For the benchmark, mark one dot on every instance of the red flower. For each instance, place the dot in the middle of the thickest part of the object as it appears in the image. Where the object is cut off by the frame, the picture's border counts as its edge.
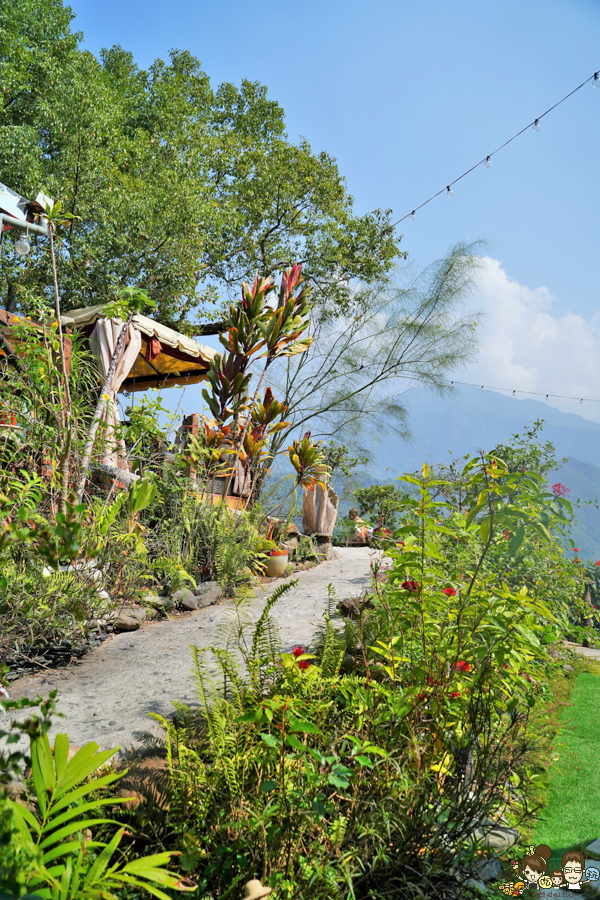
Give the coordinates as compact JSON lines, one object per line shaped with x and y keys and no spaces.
{"x":597,"y":563}
{"x":577,"y":559}
{"x":449,"y":592}
{"x":300,"y":651}
{"x":462,"y":666}
{"x":506,"y":533}
{"x":575,"y":550}
{"x":400,"y":543}
{"x":453,"y":695}
{"x":410,"y":586}
{"x":430,"y":681}
{"x":559,"y":490}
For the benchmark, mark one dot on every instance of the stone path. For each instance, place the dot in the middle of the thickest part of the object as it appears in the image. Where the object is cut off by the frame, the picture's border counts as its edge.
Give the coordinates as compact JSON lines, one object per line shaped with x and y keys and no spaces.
{"x":108,"y":695}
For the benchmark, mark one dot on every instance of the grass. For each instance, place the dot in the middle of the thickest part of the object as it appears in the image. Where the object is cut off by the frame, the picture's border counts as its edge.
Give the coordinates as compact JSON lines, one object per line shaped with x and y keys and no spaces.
{"x":570,"y":818}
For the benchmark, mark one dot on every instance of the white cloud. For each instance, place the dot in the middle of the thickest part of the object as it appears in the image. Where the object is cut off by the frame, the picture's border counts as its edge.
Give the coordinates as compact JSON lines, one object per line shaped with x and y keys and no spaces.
{"x":523,"y":346}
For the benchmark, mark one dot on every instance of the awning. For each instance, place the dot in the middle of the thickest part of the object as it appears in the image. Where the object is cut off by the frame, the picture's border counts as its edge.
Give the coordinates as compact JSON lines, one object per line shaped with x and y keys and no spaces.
{"x":167,"y":358}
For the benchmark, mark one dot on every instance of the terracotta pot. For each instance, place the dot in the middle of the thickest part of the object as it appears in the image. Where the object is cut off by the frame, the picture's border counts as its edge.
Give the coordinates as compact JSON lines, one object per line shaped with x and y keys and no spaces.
{"x":276,"y":564}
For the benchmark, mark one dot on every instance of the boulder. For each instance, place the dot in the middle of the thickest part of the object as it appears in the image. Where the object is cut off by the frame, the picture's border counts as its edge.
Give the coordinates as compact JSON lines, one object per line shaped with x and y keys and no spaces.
{"x":183,"y":598}
{"x":189,"y":601}
{"x":127,"y":623}
{"x":208,"y":593}
{"x":568,"y":668}
{"x":129,"y":618}
{"x":162,"y":604}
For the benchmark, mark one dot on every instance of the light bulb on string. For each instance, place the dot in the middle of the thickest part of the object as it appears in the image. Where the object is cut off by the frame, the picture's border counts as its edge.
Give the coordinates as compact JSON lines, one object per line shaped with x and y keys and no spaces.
{"x":596,"y":81}
{"x":22,"y":246}
{"x":412,"y":216}
{"x":487,"y":162}
{"x":449,"y":192}
{"x":536,"y":125}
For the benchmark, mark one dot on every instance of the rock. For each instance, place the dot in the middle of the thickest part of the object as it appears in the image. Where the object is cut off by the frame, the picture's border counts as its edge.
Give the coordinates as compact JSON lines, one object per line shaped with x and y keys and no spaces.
{"x":162,"y":604}
{"x":499,"y":838}
{"x":489,"y":871}
{"x":291,"y":543}
{"x":103,"y":595}
{"x":184,"y":597}
{"x":352,"y":608}
{"x":126,"y":623}
{"x":150,"y":614}
{"x":568,"y":668}
{"x":595,"y":847}
{"x":189,"y":601}
{"x":130,"y":618}
{"x":476,"y":885}
{"x":208,"y":593}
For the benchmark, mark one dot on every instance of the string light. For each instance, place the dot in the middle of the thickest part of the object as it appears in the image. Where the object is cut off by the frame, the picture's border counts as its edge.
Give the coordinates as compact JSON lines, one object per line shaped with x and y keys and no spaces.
{"x":487,"y":387}
{"x":535,"y":126}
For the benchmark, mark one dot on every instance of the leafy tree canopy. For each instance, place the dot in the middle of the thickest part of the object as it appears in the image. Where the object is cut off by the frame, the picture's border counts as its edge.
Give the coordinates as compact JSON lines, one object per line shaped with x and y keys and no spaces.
{"x":179,"y":188}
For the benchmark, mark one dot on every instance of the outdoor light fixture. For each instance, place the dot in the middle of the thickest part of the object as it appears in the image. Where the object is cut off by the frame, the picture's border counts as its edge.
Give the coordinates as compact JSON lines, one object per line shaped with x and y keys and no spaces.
{"x":487,"y":162}
{"x":536,"y":125}
{"x":412,"y":216}
{"x":596,"y":81}
{"x":449,"y":192}
{"x":22,"y":246}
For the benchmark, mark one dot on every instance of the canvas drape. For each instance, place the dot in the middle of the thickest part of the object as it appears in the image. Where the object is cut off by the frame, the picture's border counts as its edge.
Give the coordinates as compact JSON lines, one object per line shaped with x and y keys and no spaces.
{"x":102,"y":341}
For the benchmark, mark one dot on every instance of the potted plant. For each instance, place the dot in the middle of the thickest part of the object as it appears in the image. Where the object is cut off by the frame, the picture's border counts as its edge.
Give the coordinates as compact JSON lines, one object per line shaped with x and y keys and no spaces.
{"x":277,"y":560}
{"x":8,"y":422}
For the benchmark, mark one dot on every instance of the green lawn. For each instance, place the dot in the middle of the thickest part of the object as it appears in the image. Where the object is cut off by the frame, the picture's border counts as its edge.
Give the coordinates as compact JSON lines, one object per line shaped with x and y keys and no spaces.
{"x":571,"y":816}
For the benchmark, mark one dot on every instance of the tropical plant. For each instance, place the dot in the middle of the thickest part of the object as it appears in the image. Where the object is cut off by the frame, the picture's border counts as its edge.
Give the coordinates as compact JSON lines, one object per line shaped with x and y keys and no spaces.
{"x":67,"y":864}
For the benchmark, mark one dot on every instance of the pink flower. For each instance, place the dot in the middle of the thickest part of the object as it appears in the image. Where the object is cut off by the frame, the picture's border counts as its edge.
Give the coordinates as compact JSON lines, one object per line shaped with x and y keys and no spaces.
{"x":410,"y":586}
{"x":449,"y":592}
{"x":300,"y":651}
{"x":559,"y":490}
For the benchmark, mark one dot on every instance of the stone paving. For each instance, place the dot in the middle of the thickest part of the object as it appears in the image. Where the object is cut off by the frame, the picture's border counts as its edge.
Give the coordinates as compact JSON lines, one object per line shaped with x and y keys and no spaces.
{"x":107,"y":696}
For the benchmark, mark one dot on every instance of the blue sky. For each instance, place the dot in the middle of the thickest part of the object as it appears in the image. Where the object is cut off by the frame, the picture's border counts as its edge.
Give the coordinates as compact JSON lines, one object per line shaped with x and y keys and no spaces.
{"x":408,"y":95}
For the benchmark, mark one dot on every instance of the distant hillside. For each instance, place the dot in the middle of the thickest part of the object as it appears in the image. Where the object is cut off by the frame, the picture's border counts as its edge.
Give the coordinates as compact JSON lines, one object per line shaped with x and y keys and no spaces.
{"x":476,"y":419}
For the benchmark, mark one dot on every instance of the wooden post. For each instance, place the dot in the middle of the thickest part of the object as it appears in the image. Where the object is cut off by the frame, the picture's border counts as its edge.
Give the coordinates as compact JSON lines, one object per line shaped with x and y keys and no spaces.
{"x":191,"y":424}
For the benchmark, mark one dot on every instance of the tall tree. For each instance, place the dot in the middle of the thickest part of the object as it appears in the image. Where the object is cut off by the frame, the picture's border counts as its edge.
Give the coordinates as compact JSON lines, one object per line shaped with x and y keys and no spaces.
{"x":180,"y":189}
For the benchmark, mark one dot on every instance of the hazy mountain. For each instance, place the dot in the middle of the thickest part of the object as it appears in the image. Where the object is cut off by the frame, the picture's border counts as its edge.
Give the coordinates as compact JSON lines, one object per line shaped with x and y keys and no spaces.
{"x":476,"y":419}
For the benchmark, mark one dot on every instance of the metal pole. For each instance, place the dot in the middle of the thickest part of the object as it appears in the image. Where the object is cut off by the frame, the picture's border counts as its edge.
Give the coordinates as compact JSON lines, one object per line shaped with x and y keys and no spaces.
{"x":23,"y":225}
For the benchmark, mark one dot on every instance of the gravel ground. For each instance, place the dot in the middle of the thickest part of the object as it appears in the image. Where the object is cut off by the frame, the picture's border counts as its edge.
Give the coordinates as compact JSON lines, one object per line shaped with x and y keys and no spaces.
{"x":108,"y":695}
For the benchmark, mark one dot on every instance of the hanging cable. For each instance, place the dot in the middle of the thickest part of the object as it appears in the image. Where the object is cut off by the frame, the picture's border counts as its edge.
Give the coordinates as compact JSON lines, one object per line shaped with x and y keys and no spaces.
{"x":535,"y":125}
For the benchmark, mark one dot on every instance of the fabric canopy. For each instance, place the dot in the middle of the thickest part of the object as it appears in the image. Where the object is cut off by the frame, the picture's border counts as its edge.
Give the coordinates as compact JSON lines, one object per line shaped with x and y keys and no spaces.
{"x":166,"y":357}
{"x":102,"y":341}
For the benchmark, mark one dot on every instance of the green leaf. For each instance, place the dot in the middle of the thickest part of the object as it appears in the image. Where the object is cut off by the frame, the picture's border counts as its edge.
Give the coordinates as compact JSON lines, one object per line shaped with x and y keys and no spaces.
{"x":270,"y":740}
{"x":301,"y":725}
{"x":268,"y":785}
{"x":516,"y":539}
{"x":292,"y":741}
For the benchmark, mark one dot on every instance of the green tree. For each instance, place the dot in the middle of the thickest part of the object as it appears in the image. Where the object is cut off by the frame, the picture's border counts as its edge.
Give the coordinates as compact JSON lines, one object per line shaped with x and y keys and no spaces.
{"x":181,"y":189}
